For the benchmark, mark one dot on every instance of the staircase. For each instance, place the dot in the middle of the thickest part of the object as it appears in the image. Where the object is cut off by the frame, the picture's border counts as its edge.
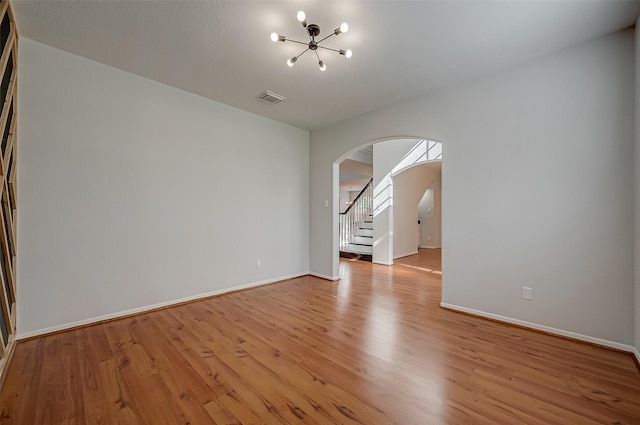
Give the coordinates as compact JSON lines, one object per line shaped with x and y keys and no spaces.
{"x":356,"y":226}
{"x":363,"y":238}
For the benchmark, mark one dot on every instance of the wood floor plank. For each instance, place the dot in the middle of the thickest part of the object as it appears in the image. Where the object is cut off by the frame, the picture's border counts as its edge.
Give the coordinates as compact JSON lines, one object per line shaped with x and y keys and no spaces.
{"x":16,"y":397}
{"x":118,"y":404}
{"x":373,"y":348}
{"x":60,"y":386}
{"x":220,"y":414}
{"x":93,"y":396}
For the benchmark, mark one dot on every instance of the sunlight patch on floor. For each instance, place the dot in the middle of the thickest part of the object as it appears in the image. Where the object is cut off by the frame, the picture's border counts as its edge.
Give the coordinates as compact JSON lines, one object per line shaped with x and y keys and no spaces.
{"x":424,"y":269}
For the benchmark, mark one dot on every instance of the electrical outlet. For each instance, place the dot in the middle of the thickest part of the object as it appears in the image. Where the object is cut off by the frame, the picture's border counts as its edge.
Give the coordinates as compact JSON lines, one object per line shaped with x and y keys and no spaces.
{"x":258,"y":263}
{"x":428,"y":237}
{"x":527,"y":293}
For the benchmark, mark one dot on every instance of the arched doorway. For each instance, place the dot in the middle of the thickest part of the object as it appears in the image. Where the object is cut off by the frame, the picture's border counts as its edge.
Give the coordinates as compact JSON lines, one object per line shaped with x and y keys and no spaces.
{"x":417,"y":209}
{"x":391,"y":156}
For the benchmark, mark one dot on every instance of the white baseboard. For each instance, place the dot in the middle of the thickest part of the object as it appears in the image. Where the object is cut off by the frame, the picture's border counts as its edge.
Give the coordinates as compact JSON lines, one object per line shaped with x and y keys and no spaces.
{"x":321,"y":276}
{"x":383,"y":263}
{"x":637,"y":354}
{"x":405,"y":255}
{"x":430,"y":247}
{"x":548,"y":329}
{"x":137,"y":310}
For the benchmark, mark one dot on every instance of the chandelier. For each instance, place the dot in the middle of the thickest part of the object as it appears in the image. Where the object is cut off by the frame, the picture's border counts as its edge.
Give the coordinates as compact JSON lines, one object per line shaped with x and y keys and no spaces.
{"x":313,"y":31}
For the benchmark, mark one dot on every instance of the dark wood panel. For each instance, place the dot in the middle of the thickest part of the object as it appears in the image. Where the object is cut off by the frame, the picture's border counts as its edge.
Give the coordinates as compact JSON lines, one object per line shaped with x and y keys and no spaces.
{"x":8,"y":47}
{"x":373,"y":348}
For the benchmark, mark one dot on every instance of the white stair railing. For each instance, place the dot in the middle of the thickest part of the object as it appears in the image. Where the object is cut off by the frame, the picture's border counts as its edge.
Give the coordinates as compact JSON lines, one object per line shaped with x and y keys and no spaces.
{"x":354,"y":217}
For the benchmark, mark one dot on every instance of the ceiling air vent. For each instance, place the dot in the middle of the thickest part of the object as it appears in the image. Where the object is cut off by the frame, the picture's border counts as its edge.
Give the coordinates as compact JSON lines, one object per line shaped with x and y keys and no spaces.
{"x":271,"y":97}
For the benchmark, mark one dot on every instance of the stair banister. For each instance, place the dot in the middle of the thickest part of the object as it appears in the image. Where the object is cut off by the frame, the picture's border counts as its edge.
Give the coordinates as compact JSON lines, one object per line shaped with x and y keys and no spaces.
{"x":355,"y":215}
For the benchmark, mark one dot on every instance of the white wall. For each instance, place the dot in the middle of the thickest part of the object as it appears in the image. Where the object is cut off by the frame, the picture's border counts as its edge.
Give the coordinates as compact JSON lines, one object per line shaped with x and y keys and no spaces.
{"x":556,"y":201}
{"x":362,"y":156}
{"x":409,"y":187}
{"x":637,"y":192}
{"x":429,"y":211}
{"x":133,"y":193}
{"x":345,"y":197}
{"x":386,"y":155}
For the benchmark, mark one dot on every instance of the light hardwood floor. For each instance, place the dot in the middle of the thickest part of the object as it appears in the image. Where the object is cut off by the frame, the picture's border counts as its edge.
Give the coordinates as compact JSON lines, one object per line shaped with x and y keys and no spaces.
{"x":373,"y":348}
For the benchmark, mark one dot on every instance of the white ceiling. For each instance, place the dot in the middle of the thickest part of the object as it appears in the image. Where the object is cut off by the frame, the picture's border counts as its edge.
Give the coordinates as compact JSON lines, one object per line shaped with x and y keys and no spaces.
{"x":222,"y":50}
{"x":354,"y":174}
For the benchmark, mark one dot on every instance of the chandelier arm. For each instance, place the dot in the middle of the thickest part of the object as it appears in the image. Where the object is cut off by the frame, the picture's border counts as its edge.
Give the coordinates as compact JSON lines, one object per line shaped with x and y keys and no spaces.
{"x":296,"y":41}
{"x":303,"y":52}
{"x":332,"y":34}
{"x":318,"y":56}
{"x":329,"y":48}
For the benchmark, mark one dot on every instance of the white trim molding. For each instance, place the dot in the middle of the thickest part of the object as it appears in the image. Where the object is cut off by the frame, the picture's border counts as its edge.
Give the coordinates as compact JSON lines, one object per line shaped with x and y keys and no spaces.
{"x":138,"y":310}
{"x":430,"y":247}
{"x":637,"y":354}
{"x":321,"y":276}
{"x":405,"y":255}
{"x":548,"y":329}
